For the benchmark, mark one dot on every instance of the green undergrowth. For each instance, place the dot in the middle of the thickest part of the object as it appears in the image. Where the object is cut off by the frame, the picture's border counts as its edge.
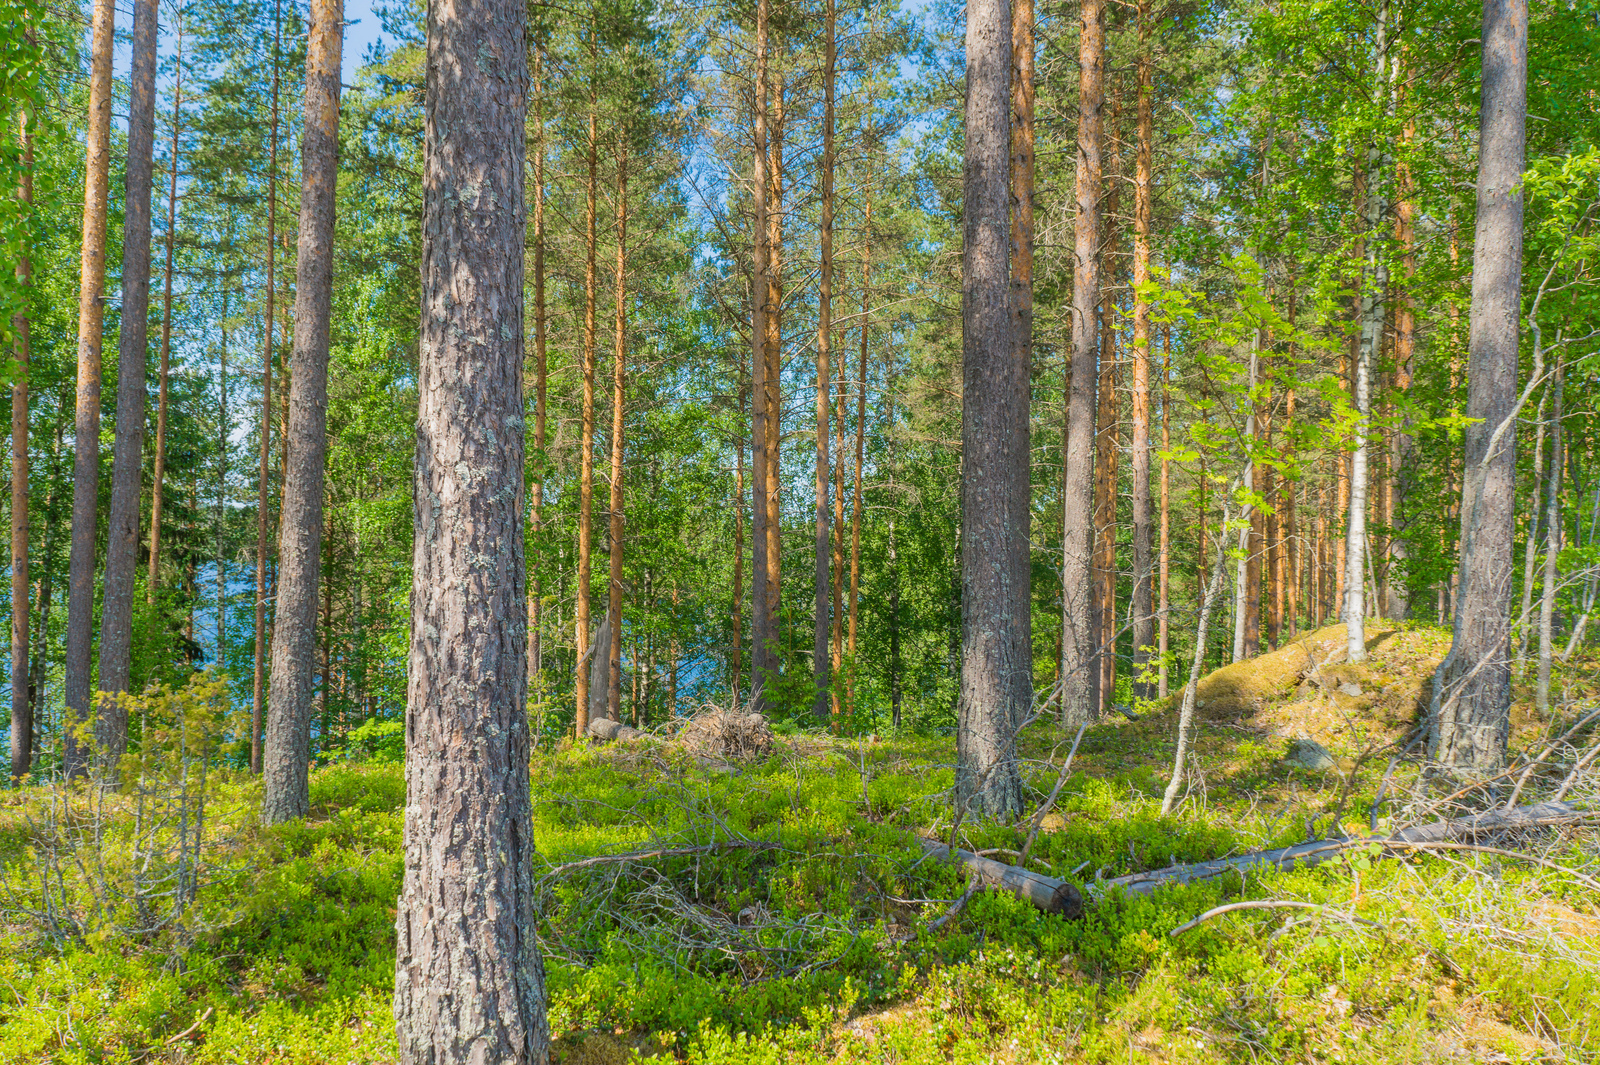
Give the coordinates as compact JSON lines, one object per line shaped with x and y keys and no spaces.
{"x":815,"y":945}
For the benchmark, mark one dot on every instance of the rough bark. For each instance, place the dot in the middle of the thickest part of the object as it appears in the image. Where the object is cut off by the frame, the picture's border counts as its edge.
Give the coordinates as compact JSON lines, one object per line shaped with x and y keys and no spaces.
{"x":1163,"y":552}
{"x":263,"y":482}
{"x":1077,"y":522}
{"x":619,"y":369}
{"x":469,"y":979}
{"x":586,"y":441}
{"x":21,"y":696}
{"x":996,"y":644}
{"x":1107,"y":453}
{"x":737,"y":608}
{"x":821,"y":666}
{"x":840,"y":702}
{"x":224,"y":430}
{"x":1469,"y":720}
{"x":855,"y":503}
{"x":1139,"y":452}
{"x":159,"y":475}
{"x":766,"y":653}
{"x":294,"y":645}
{"x":1397,"y":605}
{"x":762,"y":631}
{"x":86,"y":436}
{"x":133,"y":355}
{"x":541,"y":377}
{"x":46,"y":585}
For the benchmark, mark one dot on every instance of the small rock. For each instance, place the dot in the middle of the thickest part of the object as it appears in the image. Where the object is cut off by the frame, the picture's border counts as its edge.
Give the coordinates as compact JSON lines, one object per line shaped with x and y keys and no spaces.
{"x":1311,"y":754}
{"x":1352,"y":690}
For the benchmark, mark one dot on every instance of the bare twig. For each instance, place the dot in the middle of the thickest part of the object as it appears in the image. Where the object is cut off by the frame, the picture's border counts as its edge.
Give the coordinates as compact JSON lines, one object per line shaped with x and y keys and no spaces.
{"x":1268,"y":904}
{"x":662,"y":852}
{"x":973,"y":885}
{"x":1481,"y":849}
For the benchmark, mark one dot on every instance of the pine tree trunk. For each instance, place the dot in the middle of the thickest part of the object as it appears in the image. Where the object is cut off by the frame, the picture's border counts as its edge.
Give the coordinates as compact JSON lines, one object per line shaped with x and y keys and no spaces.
{"x":469,"y":979}
{"x":619,"y":367}
{"x":734,"y":655}
{"x":122,"y":529}
{"x":767,"y":653}
{"x":1107,"y":451}
{"x":1396,"y":595}
{"x":1164,"y":551}
{"x":159,"y":476}
{"x":294,"y":645}
{"x":1292,"y":550}
{"x":1077,"y":515}
{"x":583,"y":670}
{"x":762,"y":623}
{"x":996,"y":645}
{"x":46,"y":593}
{"x":841,"y":382}
{"x":21,"y":696}
{"x":1143,"y":210}
{"x":264,"y":484}
{"x":540,"y":381}
{"x":861,"y":440}
{"x":224,"y":430}
{"x":1469,"y":719}
{"x":821,"y":667}
{"x":86,"y":437}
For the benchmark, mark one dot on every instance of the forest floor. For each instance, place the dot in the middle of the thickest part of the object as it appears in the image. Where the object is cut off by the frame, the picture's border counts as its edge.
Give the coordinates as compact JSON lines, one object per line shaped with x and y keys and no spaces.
{"x":818,"y":947}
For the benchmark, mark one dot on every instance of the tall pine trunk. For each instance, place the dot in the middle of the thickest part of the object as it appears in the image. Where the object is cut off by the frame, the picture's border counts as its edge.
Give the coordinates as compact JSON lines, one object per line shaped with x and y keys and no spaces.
{"x":1107,"y":451}
{"x":619,"y":368}
{"x":584,"y":669}
{"x":1143,"y":210}
{"x":856,"y":487}
{"x":821,"y":671}
{"x":762,"y":622}
{"x":996,"y":645}
{"x":158,"y":477}
{"x":86,"y":436}
{"x":469,"y":979}
{"x":133,"y":354}
{"x":294,"y":643}
{"x":1077,"y":518}
{"x":1397,"y":596}
{"x":21,"y":697}
{"x":1163,"y":551}
{"x":767,"y":653}
{"x":1470,"y":714}
{"x":264,"y":482}
{"x":540,"y":379}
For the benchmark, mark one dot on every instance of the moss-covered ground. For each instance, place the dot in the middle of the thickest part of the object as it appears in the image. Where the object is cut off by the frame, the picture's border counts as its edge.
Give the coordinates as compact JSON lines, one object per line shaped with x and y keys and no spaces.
{"x":818,"y":949}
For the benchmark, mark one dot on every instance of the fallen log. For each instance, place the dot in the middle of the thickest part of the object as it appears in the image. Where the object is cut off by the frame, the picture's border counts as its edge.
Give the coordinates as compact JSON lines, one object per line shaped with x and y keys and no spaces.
{"x":1543,"y":815}
{"x":1053,"y":895}
{"x":1046,"y":892}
